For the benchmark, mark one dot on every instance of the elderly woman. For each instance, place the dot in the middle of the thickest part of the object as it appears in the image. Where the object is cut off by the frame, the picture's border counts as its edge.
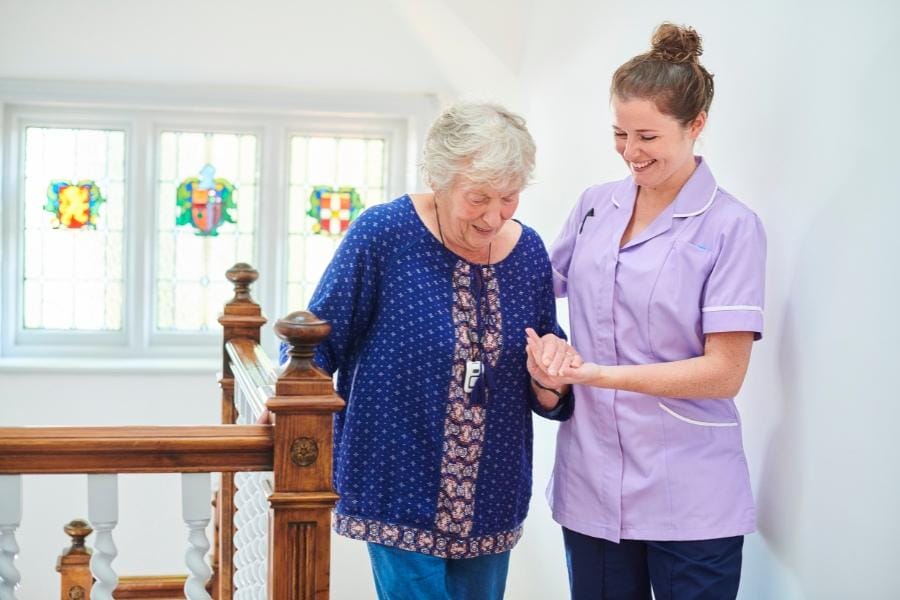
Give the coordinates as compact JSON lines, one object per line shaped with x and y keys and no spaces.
{"x":429,"y":297}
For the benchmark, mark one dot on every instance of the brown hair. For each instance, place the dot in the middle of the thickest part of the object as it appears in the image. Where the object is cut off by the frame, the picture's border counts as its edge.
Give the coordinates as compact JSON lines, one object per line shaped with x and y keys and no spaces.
{"x":670,"y":74}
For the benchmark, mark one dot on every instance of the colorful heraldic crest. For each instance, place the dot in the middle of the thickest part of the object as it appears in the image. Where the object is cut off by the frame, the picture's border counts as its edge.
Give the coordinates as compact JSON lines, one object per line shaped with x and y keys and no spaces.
{"x":74,"y":205}
{"x":333,"y":211}
{"x":206,"y":202}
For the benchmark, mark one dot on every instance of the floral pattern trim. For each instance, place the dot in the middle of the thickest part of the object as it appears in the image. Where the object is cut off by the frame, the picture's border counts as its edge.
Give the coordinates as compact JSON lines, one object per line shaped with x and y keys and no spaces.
{"x":464,"y":422}
{"x":423,"y":540}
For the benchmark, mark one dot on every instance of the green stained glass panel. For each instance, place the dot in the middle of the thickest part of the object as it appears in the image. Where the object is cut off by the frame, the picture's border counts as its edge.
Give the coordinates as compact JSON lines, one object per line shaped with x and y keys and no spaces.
{"x":330,"y":162}
{"x":191,"y":268}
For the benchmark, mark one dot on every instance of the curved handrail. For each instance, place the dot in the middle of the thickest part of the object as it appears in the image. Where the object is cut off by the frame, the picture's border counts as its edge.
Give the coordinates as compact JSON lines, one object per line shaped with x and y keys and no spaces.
{"x":253,"y":373}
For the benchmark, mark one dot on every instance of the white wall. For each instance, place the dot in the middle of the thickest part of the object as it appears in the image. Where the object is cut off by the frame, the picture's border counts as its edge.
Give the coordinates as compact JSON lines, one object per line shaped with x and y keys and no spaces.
{"x":801,"y":129}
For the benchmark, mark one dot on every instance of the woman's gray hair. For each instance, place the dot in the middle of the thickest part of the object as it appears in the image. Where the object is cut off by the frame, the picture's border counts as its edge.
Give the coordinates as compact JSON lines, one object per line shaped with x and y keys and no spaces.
{"x":484,"y":142}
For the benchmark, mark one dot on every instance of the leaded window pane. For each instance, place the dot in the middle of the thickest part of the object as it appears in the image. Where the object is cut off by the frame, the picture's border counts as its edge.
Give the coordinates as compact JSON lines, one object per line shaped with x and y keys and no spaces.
{"x":74,"y":210}
{"x":207,"y":197}
{"x":342,"y":169}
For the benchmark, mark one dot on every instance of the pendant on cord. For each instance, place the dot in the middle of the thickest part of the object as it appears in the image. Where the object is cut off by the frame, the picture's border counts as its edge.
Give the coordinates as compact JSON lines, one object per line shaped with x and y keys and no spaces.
{"x":473,"y":372}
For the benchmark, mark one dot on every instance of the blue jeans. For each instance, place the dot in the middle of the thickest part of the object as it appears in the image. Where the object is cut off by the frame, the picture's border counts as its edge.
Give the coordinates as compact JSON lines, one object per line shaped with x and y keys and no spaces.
{"x":405,"y":575}
{"x":694,"y":570}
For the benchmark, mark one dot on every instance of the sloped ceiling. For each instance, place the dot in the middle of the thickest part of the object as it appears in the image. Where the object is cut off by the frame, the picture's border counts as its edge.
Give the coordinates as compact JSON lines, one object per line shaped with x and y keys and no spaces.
{"x":346,"y":44}
{"x":450,"y":48}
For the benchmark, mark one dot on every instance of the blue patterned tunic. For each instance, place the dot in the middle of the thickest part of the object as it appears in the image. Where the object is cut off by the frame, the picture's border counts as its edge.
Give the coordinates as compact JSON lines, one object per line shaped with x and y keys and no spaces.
{"x":419,"y":463}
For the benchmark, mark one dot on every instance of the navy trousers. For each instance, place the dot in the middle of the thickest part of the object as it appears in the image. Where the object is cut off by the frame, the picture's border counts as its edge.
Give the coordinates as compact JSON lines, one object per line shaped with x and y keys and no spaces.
{"x":695,"y":570}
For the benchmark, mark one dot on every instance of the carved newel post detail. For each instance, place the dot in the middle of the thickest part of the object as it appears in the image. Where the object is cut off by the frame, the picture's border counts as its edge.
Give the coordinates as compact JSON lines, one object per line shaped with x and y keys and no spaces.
{"x":241,"y":318}
{"x":73,"y":564}
{"x":300,"y":523}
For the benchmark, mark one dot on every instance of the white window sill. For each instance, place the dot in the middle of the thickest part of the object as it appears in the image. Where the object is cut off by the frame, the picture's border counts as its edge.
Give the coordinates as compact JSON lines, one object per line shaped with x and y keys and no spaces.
{"x":110,"y":366}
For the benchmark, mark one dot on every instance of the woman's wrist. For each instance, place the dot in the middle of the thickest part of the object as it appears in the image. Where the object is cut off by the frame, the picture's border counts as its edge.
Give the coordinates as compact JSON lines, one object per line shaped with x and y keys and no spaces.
{"x":548,"y":397}
{"x":559,"y":393}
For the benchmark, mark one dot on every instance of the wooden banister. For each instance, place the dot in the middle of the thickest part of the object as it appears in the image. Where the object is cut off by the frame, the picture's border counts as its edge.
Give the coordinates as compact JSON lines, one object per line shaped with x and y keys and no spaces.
{"x":214,"y":448}
{"x":73,"y":564}
{"x":297,"y":448}
{"x":252,"y":371}
{"x":150,"y":587}
{"x":241,"y":319}
{"x":300,"y":525}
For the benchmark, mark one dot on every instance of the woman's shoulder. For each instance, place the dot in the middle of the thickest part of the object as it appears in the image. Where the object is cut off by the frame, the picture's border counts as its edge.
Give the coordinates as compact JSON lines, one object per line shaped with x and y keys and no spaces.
{"x":728,"y":212}
{"x":387,"y":223}
{"x":530,"y":249}
{"x":529,"y":236}
{"x":387,"y":214}
{"x":601,"y":196}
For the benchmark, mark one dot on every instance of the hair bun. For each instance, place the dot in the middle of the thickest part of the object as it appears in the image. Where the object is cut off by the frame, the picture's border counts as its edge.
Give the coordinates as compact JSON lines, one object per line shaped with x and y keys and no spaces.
{"x":677,"y":44}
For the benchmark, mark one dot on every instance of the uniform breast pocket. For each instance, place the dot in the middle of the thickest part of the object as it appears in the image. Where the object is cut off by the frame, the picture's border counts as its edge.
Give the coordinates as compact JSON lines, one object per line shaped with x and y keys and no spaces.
{"x":674,"y":313}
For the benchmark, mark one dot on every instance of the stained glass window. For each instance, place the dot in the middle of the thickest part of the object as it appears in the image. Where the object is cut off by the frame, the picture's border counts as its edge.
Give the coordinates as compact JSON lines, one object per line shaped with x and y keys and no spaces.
{"x":74,"y":184}
{"x":205,"y":202}
{"x":74,"y":205}
{"x":332,"y":210}
{"x":190,"y":262}
{"x":333,"y":164}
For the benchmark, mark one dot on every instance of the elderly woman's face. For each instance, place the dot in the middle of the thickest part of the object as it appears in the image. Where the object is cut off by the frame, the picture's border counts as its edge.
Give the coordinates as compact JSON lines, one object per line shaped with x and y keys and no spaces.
{"x":477,"y":212}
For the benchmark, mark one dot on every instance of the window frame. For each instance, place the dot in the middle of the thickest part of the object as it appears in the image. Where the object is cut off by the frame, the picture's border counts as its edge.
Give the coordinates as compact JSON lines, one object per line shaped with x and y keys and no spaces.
{"x":143,"y":113}
{"x":38,"y":341}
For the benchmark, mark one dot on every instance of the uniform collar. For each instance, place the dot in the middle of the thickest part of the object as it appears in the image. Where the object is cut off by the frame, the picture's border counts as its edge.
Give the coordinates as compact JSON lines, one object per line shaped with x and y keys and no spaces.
{"x":695,"y":197}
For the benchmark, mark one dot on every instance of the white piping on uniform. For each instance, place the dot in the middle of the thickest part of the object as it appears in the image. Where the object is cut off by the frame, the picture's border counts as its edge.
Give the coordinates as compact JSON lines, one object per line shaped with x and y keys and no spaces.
{"x":560,"y":275}
{"x":702,"y":210}
{"x":736,"y":307}
{"x":692,"y":421}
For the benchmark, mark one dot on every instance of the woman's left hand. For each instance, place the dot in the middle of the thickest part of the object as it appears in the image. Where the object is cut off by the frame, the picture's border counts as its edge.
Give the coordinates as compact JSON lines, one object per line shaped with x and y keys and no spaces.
{"x":552,"y":354}
{"x":554,"y":362}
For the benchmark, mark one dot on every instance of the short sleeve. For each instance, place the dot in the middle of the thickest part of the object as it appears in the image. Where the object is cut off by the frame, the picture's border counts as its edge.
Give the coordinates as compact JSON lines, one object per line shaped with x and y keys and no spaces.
{"x":562,"y":249}
{"x":735,"y":289}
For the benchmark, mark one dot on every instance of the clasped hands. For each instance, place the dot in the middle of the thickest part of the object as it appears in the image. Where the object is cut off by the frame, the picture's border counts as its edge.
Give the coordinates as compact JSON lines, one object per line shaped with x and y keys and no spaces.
{"x":554,"y":363}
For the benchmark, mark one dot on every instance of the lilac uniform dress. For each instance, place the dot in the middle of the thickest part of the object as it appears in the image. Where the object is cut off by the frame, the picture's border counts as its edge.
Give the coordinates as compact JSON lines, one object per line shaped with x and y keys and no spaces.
{"x":636,"y":466}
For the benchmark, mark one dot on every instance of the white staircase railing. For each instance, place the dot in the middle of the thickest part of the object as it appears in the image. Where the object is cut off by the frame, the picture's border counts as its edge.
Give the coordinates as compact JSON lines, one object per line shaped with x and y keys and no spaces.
{"x":251,"y":498}
{"x":196,"y":510}
{"x":10,"y":519}
{"x":103,"y":512}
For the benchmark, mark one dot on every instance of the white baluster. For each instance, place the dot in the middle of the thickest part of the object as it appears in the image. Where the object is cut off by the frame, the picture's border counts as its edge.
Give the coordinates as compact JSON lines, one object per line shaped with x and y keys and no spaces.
{"x":251,"y":539}
{"x":103,"y":513}
{"x":10,"y":518}
{"x":196,"y":510}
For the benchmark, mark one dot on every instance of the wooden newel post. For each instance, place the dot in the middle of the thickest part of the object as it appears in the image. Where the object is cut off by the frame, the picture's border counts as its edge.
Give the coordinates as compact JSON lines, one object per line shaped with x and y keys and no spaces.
{"x":241,"y":318}
{"x":74,"y":563}
{"x":300,"y":520}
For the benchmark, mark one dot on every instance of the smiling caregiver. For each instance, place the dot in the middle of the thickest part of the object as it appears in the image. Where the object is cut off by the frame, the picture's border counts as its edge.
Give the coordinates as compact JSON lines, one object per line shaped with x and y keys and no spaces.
{"x":664,"y":272}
